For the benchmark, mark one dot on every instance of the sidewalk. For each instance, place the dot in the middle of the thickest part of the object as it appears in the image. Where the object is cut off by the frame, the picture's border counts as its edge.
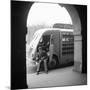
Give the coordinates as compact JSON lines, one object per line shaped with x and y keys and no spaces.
{"x":59,"y":77}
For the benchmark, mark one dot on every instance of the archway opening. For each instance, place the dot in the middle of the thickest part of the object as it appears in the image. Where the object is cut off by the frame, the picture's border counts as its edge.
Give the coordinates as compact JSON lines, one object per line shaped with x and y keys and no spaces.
{"x":45,"y":15}
{"x":22,"y":28}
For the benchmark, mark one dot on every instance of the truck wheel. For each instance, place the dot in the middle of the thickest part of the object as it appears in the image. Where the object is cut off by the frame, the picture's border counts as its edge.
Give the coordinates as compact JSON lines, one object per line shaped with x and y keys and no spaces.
{"x":53,"y":63}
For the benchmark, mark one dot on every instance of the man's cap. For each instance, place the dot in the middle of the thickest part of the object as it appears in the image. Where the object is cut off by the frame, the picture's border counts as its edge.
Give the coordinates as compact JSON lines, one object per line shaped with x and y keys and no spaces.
{"x":39,"y":47}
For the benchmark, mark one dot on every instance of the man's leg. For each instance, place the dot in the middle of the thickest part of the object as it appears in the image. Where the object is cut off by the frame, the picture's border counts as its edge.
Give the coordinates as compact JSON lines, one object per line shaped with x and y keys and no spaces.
{"x":45,"y":66}
{"x":38,"y":66}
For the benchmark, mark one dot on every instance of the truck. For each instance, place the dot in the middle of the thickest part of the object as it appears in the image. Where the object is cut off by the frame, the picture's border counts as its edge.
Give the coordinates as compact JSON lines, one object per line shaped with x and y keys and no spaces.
{"x":59,"y":46}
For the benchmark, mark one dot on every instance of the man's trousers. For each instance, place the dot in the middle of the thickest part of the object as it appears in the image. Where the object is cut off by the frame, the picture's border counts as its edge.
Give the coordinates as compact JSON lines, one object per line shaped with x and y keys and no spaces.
{"x":45,"y":65}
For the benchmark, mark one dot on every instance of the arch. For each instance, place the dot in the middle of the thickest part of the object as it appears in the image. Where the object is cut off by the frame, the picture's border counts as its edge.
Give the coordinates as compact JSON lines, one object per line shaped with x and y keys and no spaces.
{"x":18,"y":31}
{"x":75,"y":20}
{"x":48,"y":14}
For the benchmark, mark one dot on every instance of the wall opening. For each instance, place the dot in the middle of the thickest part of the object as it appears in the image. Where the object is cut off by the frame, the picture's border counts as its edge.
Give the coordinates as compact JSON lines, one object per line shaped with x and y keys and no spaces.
{"x":44,"y":15}
{"x":19,"y":20}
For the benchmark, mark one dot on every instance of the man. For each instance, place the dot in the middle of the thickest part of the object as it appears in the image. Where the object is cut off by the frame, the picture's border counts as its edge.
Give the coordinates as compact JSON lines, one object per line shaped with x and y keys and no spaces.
{"x":41,"y":56}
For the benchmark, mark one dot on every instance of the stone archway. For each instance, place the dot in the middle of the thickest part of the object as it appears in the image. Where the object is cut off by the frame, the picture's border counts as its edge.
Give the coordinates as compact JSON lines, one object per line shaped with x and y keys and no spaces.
{"x":77,"y":36}
{"x":19,"y":12}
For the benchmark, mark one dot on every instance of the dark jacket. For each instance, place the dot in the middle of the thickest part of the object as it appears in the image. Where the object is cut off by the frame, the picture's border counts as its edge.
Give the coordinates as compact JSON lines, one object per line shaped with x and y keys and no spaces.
{"x":41,"y":56}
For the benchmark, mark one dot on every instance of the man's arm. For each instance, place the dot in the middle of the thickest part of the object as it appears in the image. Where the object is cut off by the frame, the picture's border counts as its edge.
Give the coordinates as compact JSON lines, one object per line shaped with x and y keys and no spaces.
{"x":44,"y":56}
{"x":35,"y":58}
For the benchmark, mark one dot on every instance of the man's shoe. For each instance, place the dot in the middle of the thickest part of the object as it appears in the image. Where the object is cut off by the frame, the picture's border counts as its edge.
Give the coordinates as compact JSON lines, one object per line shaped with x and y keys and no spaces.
{"x":37,"y":73}
{"x":47,"y":72}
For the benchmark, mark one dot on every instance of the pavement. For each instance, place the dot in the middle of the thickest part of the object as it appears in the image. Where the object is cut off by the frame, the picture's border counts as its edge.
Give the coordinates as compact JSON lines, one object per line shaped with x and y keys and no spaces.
{"x":56,"y":78}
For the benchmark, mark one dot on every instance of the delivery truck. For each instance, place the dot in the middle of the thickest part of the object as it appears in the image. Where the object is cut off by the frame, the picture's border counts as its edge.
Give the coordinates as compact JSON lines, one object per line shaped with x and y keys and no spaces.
{"x":58,"y":43}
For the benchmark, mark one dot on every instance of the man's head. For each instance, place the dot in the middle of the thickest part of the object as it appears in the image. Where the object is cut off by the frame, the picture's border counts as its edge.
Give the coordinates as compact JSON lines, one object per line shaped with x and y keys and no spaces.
{"x":40,"y":49}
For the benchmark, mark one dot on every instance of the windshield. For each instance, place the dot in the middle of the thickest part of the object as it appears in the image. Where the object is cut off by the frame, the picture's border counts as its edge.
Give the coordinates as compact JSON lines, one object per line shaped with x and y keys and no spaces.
{"x":34,"y":43}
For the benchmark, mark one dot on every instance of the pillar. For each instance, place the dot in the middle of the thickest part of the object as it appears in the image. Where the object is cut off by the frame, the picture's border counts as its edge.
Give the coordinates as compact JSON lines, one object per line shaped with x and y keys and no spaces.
{"x":77,"y":53}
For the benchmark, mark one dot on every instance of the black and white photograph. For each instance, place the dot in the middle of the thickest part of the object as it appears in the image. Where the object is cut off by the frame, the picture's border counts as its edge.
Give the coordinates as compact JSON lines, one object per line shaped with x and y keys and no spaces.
{"x":48,"y":44}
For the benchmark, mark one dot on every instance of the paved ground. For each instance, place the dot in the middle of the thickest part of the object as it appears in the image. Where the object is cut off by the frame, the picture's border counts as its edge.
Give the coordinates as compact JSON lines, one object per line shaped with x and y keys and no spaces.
{"x":59,"y":77}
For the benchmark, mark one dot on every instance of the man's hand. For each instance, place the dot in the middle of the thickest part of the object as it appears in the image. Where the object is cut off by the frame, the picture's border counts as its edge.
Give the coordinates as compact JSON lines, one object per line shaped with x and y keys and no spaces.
{"x":42,"y":58}
{"x":48,"y":53}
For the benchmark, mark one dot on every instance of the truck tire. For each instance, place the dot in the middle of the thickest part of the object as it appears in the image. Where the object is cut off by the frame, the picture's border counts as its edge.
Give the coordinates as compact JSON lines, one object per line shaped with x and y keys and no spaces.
{"x":53,"y":63}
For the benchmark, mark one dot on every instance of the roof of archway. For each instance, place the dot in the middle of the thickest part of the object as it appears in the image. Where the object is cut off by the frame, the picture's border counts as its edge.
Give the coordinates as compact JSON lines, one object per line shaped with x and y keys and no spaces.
{"x":47,"y":14}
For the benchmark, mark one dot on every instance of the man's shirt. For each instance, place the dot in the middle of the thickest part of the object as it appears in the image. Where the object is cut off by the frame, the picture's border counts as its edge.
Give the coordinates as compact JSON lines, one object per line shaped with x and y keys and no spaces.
{"x":41,"y":56}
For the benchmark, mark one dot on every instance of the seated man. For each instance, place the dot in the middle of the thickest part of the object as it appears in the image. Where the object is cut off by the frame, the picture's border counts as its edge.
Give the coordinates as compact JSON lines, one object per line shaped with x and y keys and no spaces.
{"x":41,"y":56}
